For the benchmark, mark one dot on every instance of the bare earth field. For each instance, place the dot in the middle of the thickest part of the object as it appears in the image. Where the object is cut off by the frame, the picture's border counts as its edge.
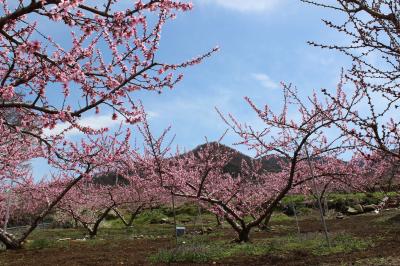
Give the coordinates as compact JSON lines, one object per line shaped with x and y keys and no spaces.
{"x":379,"y":244}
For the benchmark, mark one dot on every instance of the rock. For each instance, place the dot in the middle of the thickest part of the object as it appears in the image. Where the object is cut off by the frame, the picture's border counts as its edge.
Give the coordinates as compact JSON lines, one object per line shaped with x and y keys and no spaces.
{"x":370,"y":207}
{"x":358,"y":208}
{"x":165,"y":221}
{"x":383,"y":203}
{"x":351,"y":211}
{"x":80,"y":239}
{"x":157,"y":220}
{"x":64,"y":239}
{"x":339,"y":215}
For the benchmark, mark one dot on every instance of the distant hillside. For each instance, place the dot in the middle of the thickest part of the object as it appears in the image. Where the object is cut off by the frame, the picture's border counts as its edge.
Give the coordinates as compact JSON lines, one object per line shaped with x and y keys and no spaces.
{"x":110,"y":179}
{"x":233,"y":167}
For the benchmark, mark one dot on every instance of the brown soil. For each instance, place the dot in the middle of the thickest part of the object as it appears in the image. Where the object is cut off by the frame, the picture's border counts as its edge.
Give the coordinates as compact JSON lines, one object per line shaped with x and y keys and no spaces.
{"x":135,"y":252}
{"x":361,"y":226}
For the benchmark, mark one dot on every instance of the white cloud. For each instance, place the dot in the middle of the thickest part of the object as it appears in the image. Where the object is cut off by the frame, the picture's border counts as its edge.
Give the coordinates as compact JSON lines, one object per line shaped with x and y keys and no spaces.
{"x":152,"y":114}
{"x":94,"y":122}
{"x":265,"y":81}
{"x":246,"y":5}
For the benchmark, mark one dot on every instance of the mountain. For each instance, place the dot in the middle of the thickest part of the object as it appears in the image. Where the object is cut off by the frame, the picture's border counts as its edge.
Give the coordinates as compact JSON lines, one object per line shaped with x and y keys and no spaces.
{"x":110,"y":179}
{"x":269,"y":164}
{"x":233,"y":167}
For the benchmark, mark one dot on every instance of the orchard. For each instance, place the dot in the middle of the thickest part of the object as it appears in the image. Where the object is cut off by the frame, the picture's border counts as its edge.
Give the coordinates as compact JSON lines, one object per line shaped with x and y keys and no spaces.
{"x":101,"y":161}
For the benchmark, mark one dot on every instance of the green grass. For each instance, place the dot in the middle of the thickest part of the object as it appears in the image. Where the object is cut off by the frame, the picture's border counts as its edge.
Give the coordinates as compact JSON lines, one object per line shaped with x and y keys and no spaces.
{"x":151,"y":217}
{"x":316,"y":244}
{"x":294,"y":199}
{"x":185,"y":253}
{"x":188,"y":215}
{"x":50,"y":238}
{"x":200,"y":249}
{"x":280,"y":217}
{"x":366,"y":198}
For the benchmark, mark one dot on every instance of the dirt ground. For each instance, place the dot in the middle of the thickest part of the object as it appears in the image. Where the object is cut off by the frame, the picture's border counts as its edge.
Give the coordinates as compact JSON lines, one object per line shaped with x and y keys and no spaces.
{"x":383,"y":253}
{"x":386,"y":251}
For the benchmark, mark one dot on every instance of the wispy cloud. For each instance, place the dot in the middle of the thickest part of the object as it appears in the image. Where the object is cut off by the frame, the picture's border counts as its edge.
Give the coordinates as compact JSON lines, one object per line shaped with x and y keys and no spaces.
{"x":246,"y":5}
{"x":94,"y":122}
{"x":265,"y":81}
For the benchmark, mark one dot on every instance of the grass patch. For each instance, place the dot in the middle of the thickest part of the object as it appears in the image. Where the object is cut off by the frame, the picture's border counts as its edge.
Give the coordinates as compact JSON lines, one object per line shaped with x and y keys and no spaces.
{"x":280,"y":217}
{"x":49,"y":238}
{"x":40,"y":244}
{"x":201,"y":249}
{"x":184,"y":253}
{"x":336,"y":199}
{"x":294,"y":199}
{"x":151,"y":217}
{"x":365,"y":198}
{"x":316,"y":244}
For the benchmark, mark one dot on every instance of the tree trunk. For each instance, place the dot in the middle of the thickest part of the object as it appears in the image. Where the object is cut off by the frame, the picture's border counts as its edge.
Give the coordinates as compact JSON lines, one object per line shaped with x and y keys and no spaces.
{"x":9,"y":240}
{"x":132,"y":217}
{"x":264,"y":225}
{"x":326,"y":206}
{"x":244,"y":235}
{"x":93,"y":232}
{"x":13,"y":243}
{"x":76,"y":225}
{"x":94,"y":229}
{"x":267,"y":219}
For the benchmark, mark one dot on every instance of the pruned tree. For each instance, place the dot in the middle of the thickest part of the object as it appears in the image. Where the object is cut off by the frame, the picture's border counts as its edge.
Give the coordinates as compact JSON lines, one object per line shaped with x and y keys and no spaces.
{"x":371,"y":28}
{"x":254,"y":192}
{"x":53,"y":83}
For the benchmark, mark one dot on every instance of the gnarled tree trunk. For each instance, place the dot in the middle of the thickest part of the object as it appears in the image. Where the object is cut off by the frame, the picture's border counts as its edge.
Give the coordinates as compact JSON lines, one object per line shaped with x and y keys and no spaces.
{"x":244,"y":235}
{"x":9,"y":240}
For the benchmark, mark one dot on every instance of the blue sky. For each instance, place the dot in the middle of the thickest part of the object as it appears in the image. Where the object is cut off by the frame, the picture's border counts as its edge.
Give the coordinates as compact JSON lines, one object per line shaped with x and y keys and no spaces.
{"x":263,"y":42}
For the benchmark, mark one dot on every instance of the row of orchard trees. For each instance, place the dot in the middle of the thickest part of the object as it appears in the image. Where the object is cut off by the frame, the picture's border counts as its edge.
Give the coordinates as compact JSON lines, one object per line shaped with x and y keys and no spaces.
{"x":149,"y":178}
{"x":111,"y":56}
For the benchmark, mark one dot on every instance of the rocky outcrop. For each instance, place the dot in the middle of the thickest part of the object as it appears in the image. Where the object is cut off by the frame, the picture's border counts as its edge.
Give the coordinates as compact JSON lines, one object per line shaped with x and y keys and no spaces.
{"x":352,"y":211}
